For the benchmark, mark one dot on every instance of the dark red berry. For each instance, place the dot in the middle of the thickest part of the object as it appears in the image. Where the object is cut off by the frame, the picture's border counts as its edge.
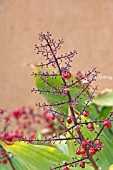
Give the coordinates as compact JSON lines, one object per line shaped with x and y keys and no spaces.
{"x":107,"y":123}
{"x":82,"y":164}
{"x":86,"y":113}
{"x":4,"y":161}
{"x":69,"y":120}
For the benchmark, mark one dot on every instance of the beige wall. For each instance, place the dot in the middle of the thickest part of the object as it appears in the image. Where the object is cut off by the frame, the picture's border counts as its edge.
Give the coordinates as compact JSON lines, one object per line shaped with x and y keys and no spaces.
{"x":85,"y":25}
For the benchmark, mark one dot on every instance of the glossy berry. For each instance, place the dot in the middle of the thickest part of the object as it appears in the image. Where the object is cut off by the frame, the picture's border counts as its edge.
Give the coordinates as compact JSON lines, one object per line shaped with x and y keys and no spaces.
{"x":86,"y":113}
{"x":82,"y":150}
{"x":52,"y":117}
{"x":69,"y":120}
{"x":92,"y":151}
{"x":82,"y":164}
{"x":91,"y":127}
{"x":99,"y":144}
{"x":78,"y":152}
{"x":107,"y":123}
{"x":66,"y":75}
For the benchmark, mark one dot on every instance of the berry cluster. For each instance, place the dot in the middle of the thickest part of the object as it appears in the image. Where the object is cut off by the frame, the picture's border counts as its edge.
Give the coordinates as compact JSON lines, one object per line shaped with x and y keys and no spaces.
{"x":25,"y":121}
{"x":71,"y":123}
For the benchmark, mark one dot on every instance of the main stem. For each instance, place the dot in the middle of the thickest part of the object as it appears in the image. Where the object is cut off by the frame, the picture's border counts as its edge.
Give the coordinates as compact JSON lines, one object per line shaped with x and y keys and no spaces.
{"x":71,"y":109}
{"x":10,"y":162}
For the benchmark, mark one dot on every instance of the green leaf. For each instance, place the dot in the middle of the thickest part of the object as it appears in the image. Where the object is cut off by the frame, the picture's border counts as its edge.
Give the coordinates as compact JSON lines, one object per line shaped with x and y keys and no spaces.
{"x":36,"y":157}
{"x":51,"y":97}
{"x":105,"y":112}
{"x":57,"y":82}
{"x":106,"y":100}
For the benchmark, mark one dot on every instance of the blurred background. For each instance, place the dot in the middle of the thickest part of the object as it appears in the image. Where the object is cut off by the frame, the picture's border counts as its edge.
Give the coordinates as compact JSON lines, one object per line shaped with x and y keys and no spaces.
{"x":85,"y":25}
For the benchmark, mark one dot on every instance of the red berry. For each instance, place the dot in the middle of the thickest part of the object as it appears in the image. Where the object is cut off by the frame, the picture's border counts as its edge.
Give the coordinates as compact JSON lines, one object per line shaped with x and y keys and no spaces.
{"x":91,"y":127}
{"x":99,"y":144}
{"x":52,"y":117}
{"x":86,"y":113}
{"x":66,"y":168}
{"x":82,"y":164}
{"x":66,"y":75}
{"x":69,"y":120}
{"x":92,"y":151}
{"x":107,"y":123}
{"x":78,"y":152}
{"x":82,"y":150}
{"x":84,"y":143}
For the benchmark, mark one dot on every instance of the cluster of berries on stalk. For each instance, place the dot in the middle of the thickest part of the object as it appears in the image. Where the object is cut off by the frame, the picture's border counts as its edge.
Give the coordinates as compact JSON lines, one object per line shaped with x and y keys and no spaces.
{"x":72,"y":122}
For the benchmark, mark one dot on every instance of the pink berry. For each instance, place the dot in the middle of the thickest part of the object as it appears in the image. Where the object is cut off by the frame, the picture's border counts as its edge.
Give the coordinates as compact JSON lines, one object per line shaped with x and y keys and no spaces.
{"x":66,"y":75}
{"x":91,"y":127}
{"x":99,"y":144}
{"x":82,"y":164}
{"x":79,"y":74}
